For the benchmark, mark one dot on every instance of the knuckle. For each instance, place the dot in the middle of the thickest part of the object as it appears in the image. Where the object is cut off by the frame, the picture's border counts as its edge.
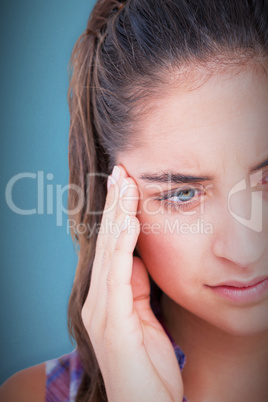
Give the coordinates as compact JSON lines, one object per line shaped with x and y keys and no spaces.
{"x":89,"y":325}
{"x":120,"y":215}
{"x":111,"y":281}
{"x":86,"y":316}
{"x":135,"y":224}
{"x":106,"y":256}
{"x":110,"y":200}
{"x":108,"y":342}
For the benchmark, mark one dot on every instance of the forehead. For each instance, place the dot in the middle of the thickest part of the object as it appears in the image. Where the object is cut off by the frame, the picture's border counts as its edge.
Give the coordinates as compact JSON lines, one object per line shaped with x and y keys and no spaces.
{"x":225,"y":117}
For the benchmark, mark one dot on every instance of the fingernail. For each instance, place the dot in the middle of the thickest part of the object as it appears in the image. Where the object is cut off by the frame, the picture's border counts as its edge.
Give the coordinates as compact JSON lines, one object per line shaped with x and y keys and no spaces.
{"x":116,"y":173}
{"x":109,"y":182}
{"x":125,"y":223}
{"x":112,"y":179}
{"x":124,"y":187}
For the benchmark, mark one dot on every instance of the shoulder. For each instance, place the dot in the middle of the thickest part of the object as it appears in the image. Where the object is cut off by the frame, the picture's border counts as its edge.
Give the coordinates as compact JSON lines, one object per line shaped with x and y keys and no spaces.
{"x":27,"y":385}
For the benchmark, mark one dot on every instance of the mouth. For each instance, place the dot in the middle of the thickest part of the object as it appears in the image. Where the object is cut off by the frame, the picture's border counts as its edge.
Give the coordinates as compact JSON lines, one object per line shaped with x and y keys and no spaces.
{"x":242,"y":292}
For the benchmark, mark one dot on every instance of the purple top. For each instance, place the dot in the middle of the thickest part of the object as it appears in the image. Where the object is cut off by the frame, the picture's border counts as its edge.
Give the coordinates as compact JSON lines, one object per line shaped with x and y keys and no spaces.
{"x":64,"y":374}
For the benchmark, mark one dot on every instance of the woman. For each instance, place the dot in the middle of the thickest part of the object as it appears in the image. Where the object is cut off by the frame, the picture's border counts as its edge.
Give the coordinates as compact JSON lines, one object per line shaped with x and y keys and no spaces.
{"x":171,"y":96}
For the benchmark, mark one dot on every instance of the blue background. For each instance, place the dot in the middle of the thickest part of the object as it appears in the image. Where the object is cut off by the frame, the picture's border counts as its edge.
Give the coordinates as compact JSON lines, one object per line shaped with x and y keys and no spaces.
{"x":38,"y":259}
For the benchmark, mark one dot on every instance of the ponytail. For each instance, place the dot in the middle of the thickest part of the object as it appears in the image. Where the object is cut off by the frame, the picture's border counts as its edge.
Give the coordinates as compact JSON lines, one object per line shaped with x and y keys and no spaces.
{"x":88,"y":167}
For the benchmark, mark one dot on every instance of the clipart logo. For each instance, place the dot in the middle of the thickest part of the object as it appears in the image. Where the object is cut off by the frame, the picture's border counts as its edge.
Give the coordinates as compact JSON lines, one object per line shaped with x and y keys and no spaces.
{"x":255,"y":220}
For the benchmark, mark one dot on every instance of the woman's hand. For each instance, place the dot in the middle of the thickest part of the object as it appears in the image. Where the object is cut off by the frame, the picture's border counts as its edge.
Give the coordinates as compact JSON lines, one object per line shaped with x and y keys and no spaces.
{"x":135,"y":355}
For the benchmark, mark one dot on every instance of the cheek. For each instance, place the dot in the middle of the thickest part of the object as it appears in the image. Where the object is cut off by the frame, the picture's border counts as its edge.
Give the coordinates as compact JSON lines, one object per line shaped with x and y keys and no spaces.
{"x":169,"y":256}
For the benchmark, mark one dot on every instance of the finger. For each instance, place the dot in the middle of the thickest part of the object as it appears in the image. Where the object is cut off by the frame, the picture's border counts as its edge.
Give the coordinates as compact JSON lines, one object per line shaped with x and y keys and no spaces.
{"x":130,"y":202}
{"x":109,"y":211}
{"x":103,"y":235}
{"x":119,"y":290}
{"x":126,"y":204}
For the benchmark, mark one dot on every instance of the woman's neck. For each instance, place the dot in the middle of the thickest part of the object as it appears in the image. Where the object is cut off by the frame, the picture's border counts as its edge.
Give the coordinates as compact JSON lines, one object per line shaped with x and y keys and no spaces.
{"x":219,"y":366}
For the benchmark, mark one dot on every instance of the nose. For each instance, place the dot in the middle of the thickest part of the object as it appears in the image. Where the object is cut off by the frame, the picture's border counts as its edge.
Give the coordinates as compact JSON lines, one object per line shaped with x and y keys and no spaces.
{"x":233,"y":238}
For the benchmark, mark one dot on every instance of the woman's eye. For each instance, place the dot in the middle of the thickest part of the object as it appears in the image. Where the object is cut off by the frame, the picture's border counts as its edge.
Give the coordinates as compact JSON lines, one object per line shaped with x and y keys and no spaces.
{"x":264,"y":179}
{"x":184,"y":195}
{"x":181,"y":199}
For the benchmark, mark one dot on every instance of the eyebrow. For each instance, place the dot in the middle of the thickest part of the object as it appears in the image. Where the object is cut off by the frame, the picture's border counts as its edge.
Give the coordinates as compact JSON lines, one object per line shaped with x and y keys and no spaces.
{"x":173,"y":177}
{"x":178,"y":178}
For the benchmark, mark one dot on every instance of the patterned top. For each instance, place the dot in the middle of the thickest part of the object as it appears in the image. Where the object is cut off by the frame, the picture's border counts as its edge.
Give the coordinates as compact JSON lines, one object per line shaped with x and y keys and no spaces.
{"x":64,"y":374}
{"x":63,"y":377}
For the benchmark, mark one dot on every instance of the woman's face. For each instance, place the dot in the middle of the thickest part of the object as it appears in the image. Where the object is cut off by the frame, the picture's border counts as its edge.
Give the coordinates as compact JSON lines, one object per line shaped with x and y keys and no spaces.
{"x":216,"y":229}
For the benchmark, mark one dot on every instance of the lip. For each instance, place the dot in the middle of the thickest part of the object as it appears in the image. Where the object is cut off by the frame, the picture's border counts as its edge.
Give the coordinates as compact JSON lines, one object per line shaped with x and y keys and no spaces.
{"x":240,"y":284}
{"x":242,"y":292}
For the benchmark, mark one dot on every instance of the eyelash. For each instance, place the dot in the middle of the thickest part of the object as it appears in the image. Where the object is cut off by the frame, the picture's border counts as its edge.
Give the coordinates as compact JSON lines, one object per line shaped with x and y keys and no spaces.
{"x":186,"y":205}
{"x":176,"y":206}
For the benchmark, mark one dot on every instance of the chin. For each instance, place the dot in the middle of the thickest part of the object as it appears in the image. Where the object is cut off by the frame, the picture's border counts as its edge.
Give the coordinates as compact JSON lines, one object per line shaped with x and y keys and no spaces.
{"x":246,"y":322}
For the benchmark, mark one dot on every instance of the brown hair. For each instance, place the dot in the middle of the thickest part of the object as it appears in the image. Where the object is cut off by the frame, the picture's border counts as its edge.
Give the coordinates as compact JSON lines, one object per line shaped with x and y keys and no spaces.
{"x":127,"y":52}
